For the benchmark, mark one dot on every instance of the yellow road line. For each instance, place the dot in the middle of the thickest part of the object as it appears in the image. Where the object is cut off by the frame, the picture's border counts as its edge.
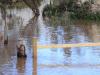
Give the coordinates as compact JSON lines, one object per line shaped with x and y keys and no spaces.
{"x":68,"y":45}
{"x":71,"y":65}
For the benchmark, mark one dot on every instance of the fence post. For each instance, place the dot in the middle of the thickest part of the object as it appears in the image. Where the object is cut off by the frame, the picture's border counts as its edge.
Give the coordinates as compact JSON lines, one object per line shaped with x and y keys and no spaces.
{"x":34,"y":41}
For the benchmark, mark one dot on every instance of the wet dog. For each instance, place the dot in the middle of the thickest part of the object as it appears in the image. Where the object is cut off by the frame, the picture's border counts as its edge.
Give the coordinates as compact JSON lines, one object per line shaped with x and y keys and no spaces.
{"x":21,"y":50}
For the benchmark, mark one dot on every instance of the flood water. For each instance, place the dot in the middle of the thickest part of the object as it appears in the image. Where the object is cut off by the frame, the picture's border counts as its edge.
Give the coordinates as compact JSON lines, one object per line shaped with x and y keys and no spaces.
{"x":67,"y":61}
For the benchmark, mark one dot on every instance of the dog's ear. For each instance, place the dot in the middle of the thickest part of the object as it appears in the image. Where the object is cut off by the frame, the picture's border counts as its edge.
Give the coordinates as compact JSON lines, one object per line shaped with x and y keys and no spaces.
{"x":18,"y":46}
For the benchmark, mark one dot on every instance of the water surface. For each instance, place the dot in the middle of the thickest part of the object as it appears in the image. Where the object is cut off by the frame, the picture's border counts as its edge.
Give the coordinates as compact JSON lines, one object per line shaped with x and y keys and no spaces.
{"x":68,"y":61}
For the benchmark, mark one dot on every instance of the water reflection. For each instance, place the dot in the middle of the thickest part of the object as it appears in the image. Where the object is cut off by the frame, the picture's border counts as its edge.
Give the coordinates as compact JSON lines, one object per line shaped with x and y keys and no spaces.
{"x":73,"y":58}
{"x":78,"y":32}
{"x":21,"y":66}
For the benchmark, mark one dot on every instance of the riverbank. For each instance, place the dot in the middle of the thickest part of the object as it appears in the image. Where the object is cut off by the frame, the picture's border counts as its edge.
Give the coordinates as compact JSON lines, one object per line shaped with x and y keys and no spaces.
{"x":20,"y":5}
{"x":84,"y":11}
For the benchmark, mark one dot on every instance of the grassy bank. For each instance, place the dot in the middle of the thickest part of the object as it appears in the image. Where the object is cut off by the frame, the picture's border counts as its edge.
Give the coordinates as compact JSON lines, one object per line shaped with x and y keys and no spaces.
{"x":20,"y":5}
{"x":51,"y":10}
{"x":89,"y":16}
{"x":78,"y":12}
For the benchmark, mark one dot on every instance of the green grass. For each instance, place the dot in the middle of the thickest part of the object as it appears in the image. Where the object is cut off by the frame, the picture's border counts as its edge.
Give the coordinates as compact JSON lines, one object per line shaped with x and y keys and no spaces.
{"x":18,"y":5}
{"x":89,"y":16}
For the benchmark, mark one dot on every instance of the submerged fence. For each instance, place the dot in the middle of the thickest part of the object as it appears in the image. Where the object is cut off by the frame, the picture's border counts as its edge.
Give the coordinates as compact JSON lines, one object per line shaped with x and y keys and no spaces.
{"x":36,"y":47}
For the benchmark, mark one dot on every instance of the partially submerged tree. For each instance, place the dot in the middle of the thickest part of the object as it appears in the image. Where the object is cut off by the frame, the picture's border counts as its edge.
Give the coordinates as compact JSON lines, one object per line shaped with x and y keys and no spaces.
{"x":3,"y":5}
{"x":3,"y":13}
{"x":33,"y":4}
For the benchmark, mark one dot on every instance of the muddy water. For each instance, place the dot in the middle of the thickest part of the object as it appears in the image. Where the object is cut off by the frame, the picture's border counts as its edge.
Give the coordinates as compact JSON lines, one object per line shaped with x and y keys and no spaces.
{"x":69,"y":61}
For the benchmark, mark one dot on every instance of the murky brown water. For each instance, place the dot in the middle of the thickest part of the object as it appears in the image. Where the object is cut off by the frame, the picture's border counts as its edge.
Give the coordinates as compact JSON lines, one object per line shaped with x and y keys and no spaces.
{"x":69,"y":61}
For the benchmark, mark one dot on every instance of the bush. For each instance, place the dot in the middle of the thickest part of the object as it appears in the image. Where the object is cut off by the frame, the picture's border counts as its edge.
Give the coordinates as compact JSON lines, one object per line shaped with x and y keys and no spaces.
{"x":84,"y":12}
{"x":89,"y":16}
{"x":51,"y":10}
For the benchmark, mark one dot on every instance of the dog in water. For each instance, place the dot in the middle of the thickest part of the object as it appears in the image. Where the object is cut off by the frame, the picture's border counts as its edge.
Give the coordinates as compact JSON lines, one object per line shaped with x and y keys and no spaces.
{"x":21,"y":50}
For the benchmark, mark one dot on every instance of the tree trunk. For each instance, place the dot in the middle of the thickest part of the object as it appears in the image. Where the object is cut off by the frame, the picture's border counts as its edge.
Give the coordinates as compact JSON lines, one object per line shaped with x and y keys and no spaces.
{"x":5,"y":33}
{"x":3,"y":12}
